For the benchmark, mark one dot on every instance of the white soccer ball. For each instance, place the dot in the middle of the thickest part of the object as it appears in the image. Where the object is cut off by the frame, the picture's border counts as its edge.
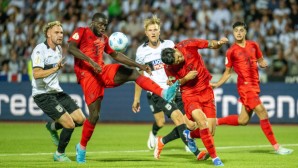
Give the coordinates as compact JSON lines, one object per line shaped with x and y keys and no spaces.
{"x":118,"y":41}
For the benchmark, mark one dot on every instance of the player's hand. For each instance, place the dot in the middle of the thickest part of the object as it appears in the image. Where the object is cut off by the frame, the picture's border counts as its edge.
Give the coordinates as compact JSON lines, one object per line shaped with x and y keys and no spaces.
{"x":146,"y":68}
{"x":223,"y":40}
{"x":191,"y":75}
{"x":95,"y":66}
{"x":61,"y":63}
{"x":263,"y":63}
{"x":136,"y":106}
{"x":169,"y":82}
{"x":213,"y":85}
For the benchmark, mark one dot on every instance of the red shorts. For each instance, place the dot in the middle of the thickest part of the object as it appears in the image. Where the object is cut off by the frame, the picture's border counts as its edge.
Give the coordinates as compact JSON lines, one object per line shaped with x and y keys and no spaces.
{"x":250,"y":99}
{"x":93,"y":84}
{"x":203,"y":100}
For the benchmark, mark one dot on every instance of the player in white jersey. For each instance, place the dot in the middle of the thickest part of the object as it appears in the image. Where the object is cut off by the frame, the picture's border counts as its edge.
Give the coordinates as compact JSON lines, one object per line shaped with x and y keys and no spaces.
{"x":47,"y":60}
{"x":149,"y":53}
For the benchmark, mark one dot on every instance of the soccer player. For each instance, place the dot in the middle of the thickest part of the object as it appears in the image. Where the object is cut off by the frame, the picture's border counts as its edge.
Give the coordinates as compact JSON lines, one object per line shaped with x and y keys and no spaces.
{"x":87,"y":44}
{"x":197,"y":94}
{"x":243,"y":56}
{"x":47,"y":60}
{"x":149,"y":54}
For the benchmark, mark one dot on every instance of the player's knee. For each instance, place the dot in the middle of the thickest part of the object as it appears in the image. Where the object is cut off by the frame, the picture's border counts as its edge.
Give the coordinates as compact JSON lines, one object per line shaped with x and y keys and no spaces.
{"x":160,"y":123}
{"x":243,"y":122}
{"x":69,"y":125}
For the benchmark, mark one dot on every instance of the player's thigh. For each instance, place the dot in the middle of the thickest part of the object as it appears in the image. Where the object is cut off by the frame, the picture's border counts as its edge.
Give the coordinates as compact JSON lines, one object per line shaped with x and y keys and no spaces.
{"x":66,"y":121}
{"x":78,"y":116}
{"x":67,"y":102}
{"x":93,"y":87}
{"x":200,"y":118}
{"x":166,"y":107}
{"x":125,"y":74}
{"x":244,"y":115}
{"x":49,"y":104}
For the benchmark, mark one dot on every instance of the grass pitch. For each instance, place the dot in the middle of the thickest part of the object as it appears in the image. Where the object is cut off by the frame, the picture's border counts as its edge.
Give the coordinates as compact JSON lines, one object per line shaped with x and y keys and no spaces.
{"x":124,"y":145}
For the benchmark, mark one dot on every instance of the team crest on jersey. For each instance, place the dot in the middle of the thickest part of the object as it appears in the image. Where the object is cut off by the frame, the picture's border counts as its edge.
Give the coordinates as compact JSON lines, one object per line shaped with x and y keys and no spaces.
{"x":76,"y":36}
{"x":59,"y":108}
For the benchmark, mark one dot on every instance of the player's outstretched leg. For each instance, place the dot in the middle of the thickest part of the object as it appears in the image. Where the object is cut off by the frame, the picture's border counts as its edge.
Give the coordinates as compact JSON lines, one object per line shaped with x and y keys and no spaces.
{"x":170,"y":93}
{"x":283,"y":151}
{"x":54,"y":134}
{"x":80,"y":154}
{"x":151,"y":141}
{"x":158,"y":147}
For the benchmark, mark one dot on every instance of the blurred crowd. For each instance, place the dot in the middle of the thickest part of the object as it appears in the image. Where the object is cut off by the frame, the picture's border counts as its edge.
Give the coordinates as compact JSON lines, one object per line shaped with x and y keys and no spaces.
{"x":273,"y":24}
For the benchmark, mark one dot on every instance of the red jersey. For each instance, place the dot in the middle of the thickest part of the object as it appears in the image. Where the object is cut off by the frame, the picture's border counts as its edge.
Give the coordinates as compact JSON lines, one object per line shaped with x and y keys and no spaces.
{"x":92,"y":46}
{"x":192,"y":61}
{"x":244,"y":62}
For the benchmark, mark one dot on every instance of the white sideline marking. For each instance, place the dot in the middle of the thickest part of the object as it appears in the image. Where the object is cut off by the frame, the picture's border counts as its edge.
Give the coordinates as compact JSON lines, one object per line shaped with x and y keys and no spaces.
{"x":134,"y":151}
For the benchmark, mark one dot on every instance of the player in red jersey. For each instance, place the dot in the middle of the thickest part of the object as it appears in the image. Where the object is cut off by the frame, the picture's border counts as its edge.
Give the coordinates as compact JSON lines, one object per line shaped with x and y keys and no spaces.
{"x":197,"y":94}
{"x":88,"y":45}
{"x":243,"y":56}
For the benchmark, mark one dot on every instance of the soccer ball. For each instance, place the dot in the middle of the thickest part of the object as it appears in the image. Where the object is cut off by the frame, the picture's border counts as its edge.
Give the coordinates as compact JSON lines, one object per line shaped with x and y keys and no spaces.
{"x":118,"y":41}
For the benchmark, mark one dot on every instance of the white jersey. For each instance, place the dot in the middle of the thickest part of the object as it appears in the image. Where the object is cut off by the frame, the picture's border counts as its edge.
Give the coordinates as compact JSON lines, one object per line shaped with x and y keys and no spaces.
{"x":152,"y":57}
{"x":46,"y":58}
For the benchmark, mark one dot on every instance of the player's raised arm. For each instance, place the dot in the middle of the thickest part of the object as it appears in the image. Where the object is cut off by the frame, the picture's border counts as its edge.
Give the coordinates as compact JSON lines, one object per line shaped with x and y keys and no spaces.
{"x":215,"y":44}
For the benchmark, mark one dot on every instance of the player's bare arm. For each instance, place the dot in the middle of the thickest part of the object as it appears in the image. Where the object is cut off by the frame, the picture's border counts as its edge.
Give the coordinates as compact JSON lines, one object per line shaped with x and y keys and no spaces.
{"x":189,"y":76}
{"x":73,"y":49}
{"x":262,"y":63}
{"x":41,"y":73}
{"x":127,"y":61}
{"x":226,"y":75}
{"x":136,"y":102}
{"x":215,"y":44}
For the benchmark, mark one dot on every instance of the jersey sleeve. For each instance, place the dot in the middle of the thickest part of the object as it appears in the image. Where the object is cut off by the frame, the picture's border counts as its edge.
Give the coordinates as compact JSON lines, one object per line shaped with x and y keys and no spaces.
{"x":258,"y":51}
{"x":37,"y":57}
{"x":77,"y":35}
{"x":200,"y":43}
{"x":169,"y":72}
{"x":108,"y":48}
{"x":228,"y":61}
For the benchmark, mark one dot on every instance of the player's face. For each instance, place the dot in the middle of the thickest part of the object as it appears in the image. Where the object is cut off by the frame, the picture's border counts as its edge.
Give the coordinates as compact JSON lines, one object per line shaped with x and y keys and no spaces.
{"x":178,"y":57}
{"x":99,"y":26}
{"x":56,"y":35}
{"x":153,"y":32}
{"x":239,"y":33}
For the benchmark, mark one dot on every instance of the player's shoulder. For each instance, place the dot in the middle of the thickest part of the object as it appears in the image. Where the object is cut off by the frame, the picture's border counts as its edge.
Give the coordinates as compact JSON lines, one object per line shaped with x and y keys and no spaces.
{"x":167,"y":43}
{"x":41,"y":47}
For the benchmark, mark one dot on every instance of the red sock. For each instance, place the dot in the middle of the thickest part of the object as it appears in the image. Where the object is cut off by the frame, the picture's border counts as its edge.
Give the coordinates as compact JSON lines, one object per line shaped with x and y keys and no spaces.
{"x":195,"y":133}
{"x":267,"y":129}
{"x":229,"y":120}
{"x":148,"y":84}
{"x":87,"y":132}
{"x":208,"y":142}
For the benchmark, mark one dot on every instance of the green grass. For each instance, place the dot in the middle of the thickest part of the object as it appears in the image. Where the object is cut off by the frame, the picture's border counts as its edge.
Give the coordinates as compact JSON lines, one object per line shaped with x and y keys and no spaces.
{"x":124,"y":145}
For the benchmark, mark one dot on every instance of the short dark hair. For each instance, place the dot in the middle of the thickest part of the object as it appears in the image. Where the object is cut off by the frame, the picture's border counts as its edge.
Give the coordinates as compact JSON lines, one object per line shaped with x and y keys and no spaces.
{"x":236,"y":24}
{"x":167,"y":56}
{"x":96,"y":16}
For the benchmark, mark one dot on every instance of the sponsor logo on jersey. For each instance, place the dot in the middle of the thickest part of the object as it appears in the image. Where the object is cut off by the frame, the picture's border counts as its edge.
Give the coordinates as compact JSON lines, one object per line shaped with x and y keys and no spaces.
{"x":157,"y":64}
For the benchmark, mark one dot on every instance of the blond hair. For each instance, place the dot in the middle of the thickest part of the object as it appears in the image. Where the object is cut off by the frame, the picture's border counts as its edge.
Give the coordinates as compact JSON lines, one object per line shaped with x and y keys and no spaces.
{"x":49,"y":26}
{"x":153,"y":20}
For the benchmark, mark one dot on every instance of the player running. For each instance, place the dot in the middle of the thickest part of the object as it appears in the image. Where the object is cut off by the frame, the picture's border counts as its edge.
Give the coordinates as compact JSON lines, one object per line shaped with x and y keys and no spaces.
{"x":243,"y":56}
